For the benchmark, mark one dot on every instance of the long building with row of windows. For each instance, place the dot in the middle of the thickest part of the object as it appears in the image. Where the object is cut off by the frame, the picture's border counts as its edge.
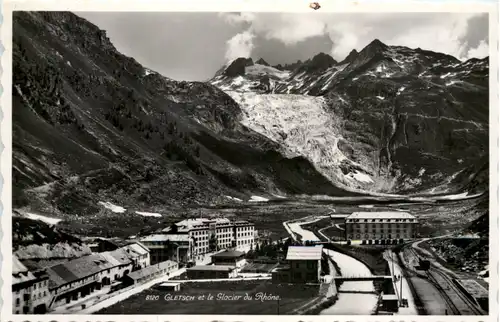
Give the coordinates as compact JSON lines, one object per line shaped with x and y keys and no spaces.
{"x":39,"y":289}
{"x":380,"y":226}
{"x":189,"y":238}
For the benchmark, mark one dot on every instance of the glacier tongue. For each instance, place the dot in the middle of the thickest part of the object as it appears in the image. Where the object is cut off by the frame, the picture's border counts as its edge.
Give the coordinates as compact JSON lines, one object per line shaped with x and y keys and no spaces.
{"x":300,"y":124}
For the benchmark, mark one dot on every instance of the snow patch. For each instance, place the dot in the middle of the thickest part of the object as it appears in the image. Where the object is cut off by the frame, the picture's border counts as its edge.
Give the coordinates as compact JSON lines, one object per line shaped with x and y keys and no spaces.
{"x":233,"y":198}
{"x":421,"y":172}
{"x":113,"y":208}
{"x":258,"y":199}
{"x":148,"y":71}
{"x":258,"y":69}
{"x":447,"y":75}
{"x":148,"y":214}
{"x":360,"y":177}
{"x":45,"y":219}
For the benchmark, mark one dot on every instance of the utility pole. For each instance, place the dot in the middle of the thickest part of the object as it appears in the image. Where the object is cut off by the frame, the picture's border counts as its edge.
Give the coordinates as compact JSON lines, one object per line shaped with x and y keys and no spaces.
{"x":392,"y":260}
{"x":401,"y":287}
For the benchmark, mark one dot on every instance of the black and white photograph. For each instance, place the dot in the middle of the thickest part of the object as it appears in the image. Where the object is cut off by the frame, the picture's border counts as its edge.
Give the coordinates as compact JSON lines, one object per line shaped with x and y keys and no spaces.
{"x":250,"y":163}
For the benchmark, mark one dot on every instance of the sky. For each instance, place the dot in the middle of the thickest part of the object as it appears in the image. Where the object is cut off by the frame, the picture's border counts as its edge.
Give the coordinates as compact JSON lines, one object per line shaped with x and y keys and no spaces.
{"x":194,"y":45}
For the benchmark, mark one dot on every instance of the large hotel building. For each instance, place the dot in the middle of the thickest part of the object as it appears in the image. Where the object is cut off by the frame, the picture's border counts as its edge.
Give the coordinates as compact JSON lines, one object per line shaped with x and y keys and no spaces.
{"x":380,"y":226}
{"x":192,"y":237}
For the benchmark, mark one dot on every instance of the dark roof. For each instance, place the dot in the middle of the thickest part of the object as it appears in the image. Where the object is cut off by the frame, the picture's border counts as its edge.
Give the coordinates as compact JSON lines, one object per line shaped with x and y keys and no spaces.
{"x":150,"y":270}
{"x":221,"y":268}
{"x":229,"y":254}
{"x":114,"y":241}
{"x":77,"y":269}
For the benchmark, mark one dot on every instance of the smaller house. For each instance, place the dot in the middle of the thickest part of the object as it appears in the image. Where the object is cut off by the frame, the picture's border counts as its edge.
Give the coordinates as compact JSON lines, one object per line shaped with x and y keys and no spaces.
{"x":168,"y":286}
{"x":119,"y":258}
{"x":138,"y":254}
{"x":229,"y":258}
{"x":211,"y":272}
{"x":390,"y":303}
{"x":151,"y":272}
{"x":304,"y":265}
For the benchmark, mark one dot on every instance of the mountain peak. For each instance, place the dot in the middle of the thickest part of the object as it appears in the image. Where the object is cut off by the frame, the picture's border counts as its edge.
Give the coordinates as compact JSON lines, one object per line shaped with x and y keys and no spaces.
{"x":352,"y":55}
{"x":261,"y":61}
{"x":237,"y":67}
{"x":375,"y":46}
{"x":321,"y":61}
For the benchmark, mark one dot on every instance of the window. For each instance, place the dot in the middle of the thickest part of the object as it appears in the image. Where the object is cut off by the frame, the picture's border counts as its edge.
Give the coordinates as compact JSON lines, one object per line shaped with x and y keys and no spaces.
{"x":18,"y":302}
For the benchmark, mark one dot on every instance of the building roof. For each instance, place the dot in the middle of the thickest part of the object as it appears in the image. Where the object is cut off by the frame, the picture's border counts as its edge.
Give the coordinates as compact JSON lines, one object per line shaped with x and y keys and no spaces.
{"x":150,"y":270}
{"x":381,"y":215}
{"x":77,"y":269}
{"x":136,"y":249}
{"x":194,"y":223}
{"x":304,"y":252}
{"x":116,"y":241}
{"x":20,"y":273}
{"x":229,"y":254}
{"x":117,"y":257}
{"x":218,"y":268}
{"x":165,"y":237}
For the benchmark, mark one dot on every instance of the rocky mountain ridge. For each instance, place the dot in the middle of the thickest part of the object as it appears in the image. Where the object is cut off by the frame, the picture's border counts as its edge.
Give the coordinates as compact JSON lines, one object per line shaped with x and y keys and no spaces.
{"x":91,"y":125}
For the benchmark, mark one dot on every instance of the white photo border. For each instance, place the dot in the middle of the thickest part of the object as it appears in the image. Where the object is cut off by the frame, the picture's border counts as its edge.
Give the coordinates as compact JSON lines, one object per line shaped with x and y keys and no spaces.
{"x":332,"y":6}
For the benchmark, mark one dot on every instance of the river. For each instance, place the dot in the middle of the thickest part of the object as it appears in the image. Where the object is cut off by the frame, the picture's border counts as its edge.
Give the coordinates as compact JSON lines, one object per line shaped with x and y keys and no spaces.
{"x":347,"y":303}
{"x":352,"y":303}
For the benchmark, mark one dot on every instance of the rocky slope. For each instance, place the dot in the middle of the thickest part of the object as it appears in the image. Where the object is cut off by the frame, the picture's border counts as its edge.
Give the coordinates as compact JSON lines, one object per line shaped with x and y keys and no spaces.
{"x":91,"y":126}
{"x":388,"y":119}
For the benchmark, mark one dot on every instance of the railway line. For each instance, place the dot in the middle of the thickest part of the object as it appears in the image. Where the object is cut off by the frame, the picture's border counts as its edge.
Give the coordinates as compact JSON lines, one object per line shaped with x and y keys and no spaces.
{"x":457,"y":302}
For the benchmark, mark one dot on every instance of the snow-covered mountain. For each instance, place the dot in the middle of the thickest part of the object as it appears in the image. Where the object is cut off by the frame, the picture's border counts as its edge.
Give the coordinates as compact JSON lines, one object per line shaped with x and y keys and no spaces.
{"x":387,"y":119}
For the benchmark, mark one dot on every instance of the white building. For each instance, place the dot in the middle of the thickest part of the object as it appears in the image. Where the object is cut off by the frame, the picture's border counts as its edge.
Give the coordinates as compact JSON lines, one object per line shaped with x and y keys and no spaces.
{"x":228,"y":234}
{"x":379,"y":226}
{"x":139,"y":254}
{"x":201,"y":236}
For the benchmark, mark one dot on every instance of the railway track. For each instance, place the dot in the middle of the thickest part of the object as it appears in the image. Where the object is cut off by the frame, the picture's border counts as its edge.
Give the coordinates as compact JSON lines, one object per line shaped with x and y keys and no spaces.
{"x":454,"y":294}
{"x":454,"y":309}
{"x":457,"y":302}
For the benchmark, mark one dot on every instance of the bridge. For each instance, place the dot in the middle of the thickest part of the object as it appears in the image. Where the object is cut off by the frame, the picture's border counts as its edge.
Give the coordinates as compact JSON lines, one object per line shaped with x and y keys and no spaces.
{"x":362,"y":278}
